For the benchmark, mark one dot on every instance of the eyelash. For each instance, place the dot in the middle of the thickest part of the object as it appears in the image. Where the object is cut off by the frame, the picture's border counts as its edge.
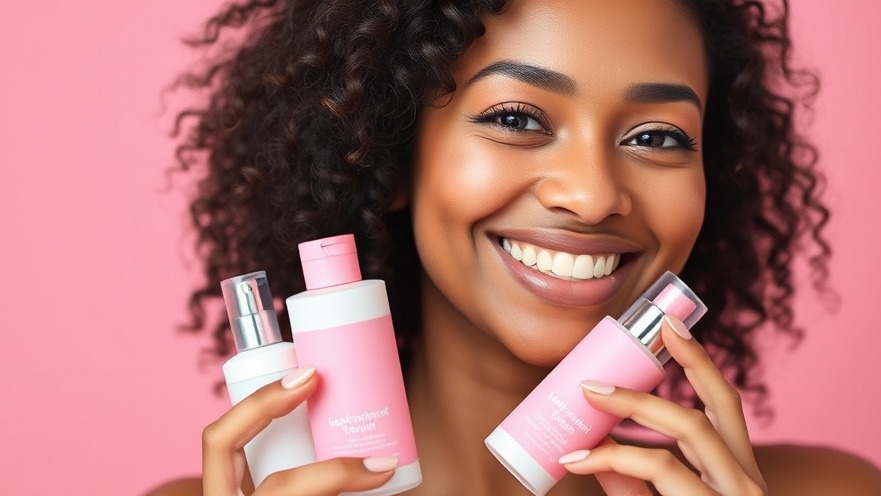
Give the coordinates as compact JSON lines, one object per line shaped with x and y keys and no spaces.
{"x":491,"y":115}
{"x":682,"y":139}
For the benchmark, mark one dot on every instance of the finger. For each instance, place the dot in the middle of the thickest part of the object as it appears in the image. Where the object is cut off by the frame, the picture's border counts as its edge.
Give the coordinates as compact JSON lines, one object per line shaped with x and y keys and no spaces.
{"x":704,"y":447}
{"x":615,"y":484}
{"x":223,"y":439}
{"x":658,"y":466}
{"x":723,"y":405}
{"x":330,"y":477}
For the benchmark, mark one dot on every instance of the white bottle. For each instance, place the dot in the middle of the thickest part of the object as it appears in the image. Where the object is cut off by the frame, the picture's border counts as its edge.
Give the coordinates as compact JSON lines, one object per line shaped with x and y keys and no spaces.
{"x":262,"y":357}
{"x":342,"y":326}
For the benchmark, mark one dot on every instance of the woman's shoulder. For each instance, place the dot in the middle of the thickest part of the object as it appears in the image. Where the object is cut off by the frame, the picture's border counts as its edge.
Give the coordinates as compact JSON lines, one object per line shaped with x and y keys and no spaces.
{"x":808,"y":470}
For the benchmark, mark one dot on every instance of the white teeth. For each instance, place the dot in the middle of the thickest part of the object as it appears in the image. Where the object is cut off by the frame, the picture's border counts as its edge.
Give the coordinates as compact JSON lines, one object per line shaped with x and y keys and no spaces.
{"x":599,"y":267}
{"x":583,"y":268}
{"x":545,"y":261}
{"x":529,"y":256}
{"x":515,"y":252}
{"x":561,"y":264}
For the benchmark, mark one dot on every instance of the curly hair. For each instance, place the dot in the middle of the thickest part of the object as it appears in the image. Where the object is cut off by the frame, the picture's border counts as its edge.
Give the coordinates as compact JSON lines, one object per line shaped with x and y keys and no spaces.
{"x":310,"y":120}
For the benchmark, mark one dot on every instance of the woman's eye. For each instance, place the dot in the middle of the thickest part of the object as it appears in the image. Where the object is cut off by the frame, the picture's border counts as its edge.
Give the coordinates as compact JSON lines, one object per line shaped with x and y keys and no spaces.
{"x":514,"y":117}
{"x":518,"y":121}
{"x":666,"y":139}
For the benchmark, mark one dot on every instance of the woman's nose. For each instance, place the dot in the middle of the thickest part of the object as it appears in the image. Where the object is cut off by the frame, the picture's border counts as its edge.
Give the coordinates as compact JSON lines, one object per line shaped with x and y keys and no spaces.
{"x":585,"y":184}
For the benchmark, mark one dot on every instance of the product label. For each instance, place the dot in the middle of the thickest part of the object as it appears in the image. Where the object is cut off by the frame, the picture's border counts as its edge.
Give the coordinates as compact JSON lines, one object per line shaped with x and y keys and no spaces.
{"x":360,"y":407}
{"x":555,"y":419}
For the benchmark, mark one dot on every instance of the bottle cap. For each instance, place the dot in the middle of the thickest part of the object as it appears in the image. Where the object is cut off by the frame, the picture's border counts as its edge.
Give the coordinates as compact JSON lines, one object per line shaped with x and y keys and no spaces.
{"x":330,"y":261}
{"x":667,"y":296}
{"x":251,"y":312}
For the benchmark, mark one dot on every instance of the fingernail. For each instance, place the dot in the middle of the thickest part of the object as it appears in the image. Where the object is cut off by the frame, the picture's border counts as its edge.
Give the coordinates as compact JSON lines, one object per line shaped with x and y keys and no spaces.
{"x":380,"y":464}
{"x":677,"y":326}
{"x":598,"y":387}
{"x":297,"y":378}
{"x":575,"y":456}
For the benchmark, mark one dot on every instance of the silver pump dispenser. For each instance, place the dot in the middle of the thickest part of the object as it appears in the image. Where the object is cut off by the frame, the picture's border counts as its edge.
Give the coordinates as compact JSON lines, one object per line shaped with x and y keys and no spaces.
{"x":251,"y":311}
{"x":668,"y":295}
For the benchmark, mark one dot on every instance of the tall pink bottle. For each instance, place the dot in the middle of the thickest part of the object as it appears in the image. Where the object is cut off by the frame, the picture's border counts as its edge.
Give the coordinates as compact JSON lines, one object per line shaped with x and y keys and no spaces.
{"x":342,"y":326}
{"x":555,"y":419}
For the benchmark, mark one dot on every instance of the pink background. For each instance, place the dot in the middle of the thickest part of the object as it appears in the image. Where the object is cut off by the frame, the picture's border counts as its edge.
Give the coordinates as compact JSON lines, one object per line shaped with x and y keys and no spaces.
{"x":101,"y":396}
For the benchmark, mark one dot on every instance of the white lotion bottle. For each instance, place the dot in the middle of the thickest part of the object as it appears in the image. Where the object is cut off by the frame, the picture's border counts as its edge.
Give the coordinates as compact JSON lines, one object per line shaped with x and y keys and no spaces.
{"x":342,"y":325}
{"x":555,"y":419}
{"x":263,"y":357}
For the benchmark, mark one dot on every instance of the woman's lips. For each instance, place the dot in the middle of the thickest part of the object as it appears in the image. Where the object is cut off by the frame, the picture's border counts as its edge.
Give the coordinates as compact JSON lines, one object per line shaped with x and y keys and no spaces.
{"x":556,"y":278}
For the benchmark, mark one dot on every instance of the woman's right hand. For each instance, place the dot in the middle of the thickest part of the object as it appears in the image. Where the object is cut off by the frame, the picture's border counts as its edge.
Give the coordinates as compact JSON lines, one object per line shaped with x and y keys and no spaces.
{"x":223,"y":457}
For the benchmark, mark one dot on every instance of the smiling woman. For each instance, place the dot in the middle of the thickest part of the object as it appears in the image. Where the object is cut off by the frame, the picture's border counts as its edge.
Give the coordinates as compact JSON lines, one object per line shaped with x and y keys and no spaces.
{"x":517,"y":171}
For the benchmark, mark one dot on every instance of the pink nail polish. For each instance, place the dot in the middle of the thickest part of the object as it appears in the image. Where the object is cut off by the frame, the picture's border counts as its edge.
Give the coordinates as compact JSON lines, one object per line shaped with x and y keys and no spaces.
{"x":380,"y":464}
{"x":297,"y":378}
{"x":598,"y":387}
{"x":677,"y":326}
{"x":575,"y":456}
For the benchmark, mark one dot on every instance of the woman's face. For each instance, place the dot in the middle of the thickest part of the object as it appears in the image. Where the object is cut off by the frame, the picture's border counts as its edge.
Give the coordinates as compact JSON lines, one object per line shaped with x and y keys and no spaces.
{"x":564,"y":175}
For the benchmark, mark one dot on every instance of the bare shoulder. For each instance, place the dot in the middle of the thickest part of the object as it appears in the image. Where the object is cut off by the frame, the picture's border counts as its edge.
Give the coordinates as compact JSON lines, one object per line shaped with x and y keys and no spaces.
{"x":180,"y":487}
{"x":809,"y":470}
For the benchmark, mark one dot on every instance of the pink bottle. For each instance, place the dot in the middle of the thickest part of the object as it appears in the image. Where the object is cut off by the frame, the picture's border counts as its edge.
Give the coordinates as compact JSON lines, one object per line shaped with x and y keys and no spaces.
{"x":342,"y":326}
{"x":555,"y":419}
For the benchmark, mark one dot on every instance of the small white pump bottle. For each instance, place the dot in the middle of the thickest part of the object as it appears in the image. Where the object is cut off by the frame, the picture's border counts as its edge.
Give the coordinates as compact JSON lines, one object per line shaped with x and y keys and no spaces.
{"x":262,"y":357}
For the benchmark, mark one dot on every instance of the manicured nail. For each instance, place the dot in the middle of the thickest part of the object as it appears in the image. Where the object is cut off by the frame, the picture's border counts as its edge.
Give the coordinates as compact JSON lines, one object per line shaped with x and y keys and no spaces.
{"x":598,"y":387}
{"x":575,"y":456}
{"x":380,"y":464}
{"x":677,"y":326}
{"x":297,"y":378}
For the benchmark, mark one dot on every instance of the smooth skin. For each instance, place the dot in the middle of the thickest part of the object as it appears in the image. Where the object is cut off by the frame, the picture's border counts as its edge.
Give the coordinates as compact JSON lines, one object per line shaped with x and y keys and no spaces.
{"x":568,"y":144}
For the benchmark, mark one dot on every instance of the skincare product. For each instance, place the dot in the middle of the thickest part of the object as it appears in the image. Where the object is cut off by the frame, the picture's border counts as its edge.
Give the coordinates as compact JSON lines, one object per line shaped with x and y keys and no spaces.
{"x":262,"y":357}
{"x":555,"y":419}
{"x":342,"y":326}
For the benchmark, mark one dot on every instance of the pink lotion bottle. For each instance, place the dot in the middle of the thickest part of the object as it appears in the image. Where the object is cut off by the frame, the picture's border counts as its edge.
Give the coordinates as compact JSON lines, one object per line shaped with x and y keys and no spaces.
{"x":555,"y":419}
{"x":263,"y":357}
{"x":342,"y":326}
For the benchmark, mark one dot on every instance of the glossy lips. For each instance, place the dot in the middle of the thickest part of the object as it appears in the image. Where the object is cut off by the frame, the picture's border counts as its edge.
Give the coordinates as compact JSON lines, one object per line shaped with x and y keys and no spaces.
{"x":562,"y":264}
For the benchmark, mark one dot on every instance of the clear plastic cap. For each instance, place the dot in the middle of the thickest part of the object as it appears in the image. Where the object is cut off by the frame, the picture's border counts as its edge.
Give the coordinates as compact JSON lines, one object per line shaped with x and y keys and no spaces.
{"x":330,"y":261}
{"x":251,"y":311}
{"x":667,"y":296}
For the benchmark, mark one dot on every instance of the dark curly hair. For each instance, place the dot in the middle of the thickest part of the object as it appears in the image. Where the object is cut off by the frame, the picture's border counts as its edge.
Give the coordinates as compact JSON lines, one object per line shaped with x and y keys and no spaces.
{"x":309,"y":123}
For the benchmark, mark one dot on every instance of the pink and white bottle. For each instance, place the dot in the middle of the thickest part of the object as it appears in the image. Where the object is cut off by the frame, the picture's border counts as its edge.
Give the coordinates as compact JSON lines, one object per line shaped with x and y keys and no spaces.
{"x":342,"y":326}
{"x":262,"y":357}
{"x":555,"y":419}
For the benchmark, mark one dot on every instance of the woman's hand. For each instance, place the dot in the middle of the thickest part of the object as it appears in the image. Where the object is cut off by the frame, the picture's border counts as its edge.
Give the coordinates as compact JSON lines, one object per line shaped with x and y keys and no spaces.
{"x":714,"y":441}
{"x":223,"y":458}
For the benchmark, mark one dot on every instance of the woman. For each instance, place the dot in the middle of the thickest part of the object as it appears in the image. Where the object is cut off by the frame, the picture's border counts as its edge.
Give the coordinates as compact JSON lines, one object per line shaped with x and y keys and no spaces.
{"x":654,"y":134}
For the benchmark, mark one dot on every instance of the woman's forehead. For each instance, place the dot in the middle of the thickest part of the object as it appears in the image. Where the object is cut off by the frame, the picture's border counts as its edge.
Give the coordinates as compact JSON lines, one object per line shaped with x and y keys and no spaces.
{"x":597,"y":43}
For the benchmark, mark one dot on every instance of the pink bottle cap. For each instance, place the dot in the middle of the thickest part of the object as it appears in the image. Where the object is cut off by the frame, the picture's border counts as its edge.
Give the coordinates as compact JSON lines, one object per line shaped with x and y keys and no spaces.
{"x":674,"y":302}
{"x":330,"y":261}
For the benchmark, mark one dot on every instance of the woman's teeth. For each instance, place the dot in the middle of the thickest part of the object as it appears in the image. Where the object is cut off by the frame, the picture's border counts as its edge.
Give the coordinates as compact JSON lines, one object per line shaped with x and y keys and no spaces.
{"x":561,"y":264}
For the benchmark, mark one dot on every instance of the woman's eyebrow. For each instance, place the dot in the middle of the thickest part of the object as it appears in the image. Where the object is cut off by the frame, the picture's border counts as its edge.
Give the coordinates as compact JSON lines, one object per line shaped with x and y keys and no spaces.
{"x":661,"y":93}
{"x":530,"y":74}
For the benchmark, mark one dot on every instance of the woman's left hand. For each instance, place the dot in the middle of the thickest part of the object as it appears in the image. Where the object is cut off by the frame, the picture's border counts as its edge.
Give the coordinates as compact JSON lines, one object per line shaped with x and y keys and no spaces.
{"x":714,"y":441}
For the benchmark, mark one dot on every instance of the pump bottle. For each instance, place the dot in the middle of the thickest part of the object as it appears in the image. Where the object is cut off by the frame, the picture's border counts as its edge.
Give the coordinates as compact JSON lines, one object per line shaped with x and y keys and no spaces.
{"x":555,"y":419}
{"x":263,"y":357}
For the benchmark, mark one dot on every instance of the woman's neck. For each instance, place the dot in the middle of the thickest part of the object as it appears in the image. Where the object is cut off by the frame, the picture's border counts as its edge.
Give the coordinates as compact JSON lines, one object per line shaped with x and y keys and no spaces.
{"x":462,"y":384}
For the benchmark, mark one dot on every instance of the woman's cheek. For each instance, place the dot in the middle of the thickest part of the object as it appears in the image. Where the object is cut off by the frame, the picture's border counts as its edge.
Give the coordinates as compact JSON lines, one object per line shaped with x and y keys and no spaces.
{"x":676,"y":213}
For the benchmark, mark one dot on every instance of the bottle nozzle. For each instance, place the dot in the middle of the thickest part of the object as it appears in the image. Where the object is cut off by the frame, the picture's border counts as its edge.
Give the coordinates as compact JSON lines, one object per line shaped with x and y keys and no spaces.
{"x":667,"y":296}
{"x":251,"y":311}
